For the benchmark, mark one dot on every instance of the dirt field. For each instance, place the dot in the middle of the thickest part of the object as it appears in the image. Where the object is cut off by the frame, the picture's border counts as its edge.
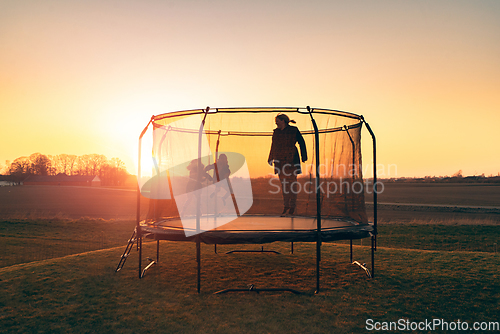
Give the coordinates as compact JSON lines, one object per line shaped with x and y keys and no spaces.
{"x":437,"y":202}
{"x":398,"y":202}
{"x":68,"y":202}
{"x":454,"y":194}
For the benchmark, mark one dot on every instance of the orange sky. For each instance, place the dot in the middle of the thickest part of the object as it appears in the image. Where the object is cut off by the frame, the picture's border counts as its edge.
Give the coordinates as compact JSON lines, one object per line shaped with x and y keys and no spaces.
{"x":85,"y":77}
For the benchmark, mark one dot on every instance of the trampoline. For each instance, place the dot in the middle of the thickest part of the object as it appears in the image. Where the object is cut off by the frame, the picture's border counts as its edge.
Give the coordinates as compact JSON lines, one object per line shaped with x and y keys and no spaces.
{"x":259,"y":229}
{"x":209,"y":177}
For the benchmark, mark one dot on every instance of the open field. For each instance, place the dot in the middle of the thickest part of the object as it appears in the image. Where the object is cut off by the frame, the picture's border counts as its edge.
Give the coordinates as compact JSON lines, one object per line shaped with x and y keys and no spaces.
{"x":103,"y":217}
{"x":67,"y":202}
{"x":400,"y":202}
{"x":435,"y":260}
{"x":445,"y":203}
{"x":453,"y":194}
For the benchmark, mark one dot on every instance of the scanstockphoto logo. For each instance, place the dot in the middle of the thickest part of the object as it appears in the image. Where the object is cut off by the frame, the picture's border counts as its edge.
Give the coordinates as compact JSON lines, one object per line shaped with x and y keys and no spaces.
{"x":341,"y":186}
{"x":210,"y":189}
{"x":347,"y":184}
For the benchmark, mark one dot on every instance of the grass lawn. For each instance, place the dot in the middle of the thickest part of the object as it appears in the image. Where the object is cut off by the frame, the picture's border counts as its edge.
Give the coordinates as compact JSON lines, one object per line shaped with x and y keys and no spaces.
{"x":82,"y":293}
{"x":24,"y":241}
{"x":445,"y":237}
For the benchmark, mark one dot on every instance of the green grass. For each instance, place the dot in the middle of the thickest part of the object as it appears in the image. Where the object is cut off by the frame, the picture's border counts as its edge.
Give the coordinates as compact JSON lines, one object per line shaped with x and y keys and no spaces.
{"x":474,"y":238}
{"x":81,"y":293}
{"x":471,"y":238}
{"x":39,"y":239}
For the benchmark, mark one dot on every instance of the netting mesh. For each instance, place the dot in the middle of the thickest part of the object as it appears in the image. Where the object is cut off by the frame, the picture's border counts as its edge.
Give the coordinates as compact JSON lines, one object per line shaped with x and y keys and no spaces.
{"x":184,"y":153}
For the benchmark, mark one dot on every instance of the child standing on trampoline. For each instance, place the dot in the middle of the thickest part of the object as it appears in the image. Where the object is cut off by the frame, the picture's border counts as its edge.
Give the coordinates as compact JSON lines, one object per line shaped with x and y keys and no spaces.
{"x":286,"y":159}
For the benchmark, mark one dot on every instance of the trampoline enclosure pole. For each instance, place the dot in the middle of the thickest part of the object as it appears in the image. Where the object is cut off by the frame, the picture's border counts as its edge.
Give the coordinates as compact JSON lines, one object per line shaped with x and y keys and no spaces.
{"x":138,"y":213}
{"x":354,"y":172}
{"x":375,"y":191}
{"x":198,"y":204}
{"x":318,"y":198}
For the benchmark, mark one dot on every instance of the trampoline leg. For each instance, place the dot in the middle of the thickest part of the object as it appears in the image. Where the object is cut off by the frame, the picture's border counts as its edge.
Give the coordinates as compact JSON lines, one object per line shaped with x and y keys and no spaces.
{"x":318,"y":257}
{"x":351,"y":249}
{"x":373,"y":256}
{"x":157,"y":251}
{"x":139,"y":246}
{"x":198,"y":260}
{"x":291,"y":247}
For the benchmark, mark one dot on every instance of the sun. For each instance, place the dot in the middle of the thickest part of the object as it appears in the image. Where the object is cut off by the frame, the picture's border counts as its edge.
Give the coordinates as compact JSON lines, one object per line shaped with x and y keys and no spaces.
{"x":123,"y":119}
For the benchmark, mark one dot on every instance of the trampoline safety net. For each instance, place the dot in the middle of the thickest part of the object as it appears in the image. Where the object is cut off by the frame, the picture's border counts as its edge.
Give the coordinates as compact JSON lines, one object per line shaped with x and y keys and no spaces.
{"x":217,"y":165}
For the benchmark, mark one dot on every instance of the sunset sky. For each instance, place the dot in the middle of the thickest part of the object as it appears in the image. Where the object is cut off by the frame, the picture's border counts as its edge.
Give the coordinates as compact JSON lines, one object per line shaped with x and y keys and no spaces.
{"x":81,"y":77}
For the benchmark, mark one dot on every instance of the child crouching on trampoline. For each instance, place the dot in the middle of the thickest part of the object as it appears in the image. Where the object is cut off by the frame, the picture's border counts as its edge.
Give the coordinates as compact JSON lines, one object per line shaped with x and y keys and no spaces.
{"x":221,"y":172}
{"x":197,"y":175}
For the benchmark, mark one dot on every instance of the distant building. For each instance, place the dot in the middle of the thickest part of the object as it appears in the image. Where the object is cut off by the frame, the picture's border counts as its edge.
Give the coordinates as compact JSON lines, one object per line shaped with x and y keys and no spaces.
{"x":62,"y":180}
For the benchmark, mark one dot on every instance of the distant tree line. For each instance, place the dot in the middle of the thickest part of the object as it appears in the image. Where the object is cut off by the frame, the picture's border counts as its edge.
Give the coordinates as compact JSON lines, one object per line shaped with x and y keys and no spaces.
{"x":110,"y":171}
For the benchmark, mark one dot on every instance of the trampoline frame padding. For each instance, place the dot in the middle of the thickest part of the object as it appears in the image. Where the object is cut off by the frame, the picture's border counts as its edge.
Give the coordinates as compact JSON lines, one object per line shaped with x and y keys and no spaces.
{"x":284,"y":229}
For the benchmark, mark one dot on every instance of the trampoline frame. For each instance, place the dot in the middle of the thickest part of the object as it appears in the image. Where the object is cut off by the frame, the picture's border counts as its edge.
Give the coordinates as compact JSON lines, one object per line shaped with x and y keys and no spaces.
{"x":138,"y":234}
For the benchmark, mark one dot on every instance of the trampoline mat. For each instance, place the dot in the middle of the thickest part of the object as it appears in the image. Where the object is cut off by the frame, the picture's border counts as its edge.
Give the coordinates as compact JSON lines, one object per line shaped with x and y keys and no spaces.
{"x":254,"y":229}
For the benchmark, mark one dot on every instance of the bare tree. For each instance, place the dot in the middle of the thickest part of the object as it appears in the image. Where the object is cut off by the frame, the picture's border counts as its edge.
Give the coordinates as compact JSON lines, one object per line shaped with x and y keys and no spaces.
{"x":111,"y":172}
{"x":40,"y":164}
{"x":64,"y":163}
{"x":90,"y":164}
{"x":20,"y":166}
{"x":114,"y":172}
{"x":96,"y":163}
{"x":82,"y":165}
{"x":71,"y":164}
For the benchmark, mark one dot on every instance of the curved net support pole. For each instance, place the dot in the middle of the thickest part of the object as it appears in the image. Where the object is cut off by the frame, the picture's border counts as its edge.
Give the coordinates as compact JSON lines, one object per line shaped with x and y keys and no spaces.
{"x":198,"y":204}
{"x":138,"y":213}
{"x":318,"y":199}
{"x":137,"y":235}
{"x":353,"y":161}
{"x":375,"y":191}
{"x":217,"y":177}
